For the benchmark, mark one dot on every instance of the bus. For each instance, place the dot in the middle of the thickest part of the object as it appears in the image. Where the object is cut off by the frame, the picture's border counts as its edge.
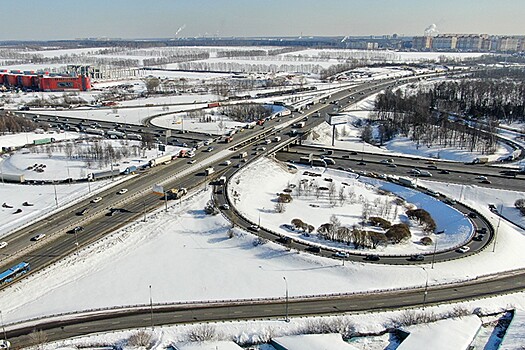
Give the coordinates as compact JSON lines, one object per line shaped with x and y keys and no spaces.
{"x":15,"y":271}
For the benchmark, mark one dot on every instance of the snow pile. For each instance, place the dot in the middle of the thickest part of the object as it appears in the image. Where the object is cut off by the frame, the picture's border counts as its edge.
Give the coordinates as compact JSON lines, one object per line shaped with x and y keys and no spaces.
{"x":209,"y":345}
{"x":448,"y":334}
{"x":313,"y":342}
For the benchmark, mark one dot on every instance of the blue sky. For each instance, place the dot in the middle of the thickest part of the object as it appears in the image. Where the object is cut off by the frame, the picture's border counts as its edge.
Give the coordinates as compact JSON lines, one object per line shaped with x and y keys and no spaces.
{"x":68,"y":19}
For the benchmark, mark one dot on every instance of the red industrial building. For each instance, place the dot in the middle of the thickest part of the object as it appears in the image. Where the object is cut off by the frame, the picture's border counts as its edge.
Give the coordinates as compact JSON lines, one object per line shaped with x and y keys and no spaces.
{"x":29,"y":80}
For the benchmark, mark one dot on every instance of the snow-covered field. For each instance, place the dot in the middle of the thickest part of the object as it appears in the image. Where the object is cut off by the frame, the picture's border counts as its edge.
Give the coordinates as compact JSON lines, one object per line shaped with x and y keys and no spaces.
{"x":351,"y":194}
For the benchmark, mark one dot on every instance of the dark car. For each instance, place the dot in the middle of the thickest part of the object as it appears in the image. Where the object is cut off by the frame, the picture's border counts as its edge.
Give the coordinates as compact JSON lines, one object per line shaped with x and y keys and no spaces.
{"x":417,"y":257}
{"x":83,"y":211}
{"x":314,"y":249}
{"x":372,"y":257}
{"x":472,"y":215}
{"x":77,"y":229}
{"x":444,"y":172}
{"x":478,"y":238}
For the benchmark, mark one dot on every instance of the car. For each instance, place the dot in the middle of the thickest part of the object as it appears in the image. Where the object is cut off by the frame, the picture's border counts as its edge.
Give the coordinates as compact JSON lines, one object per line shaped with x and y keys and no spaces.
{"x":354,"y":153}
{"x":343,"y":255}
{"x":434,"y":167}
{"x":392,"y":165}
{"x":445,"y":172}
{"x":361,"y":163}
{"x":3,"y":245}
{"x":314,"y":249}
{"x":481,"y":177}
{"x":417,"y":257}
{"x":191,"y":161}
{"x":492,"y":208}
{"x":372,"y":257}
{"x":254,"y":228}
{"x":288,"y":227}
{"x":414,"y":171}
{"x":472,"y":215}
{"x":478,"y":238}
{"x":38,"y":237}
{"x":210,"y":149}
{"x":485,"y":182}
{"x":122,"y":191}
{"x":346,"y":156}
{"x":77,"y":229}
{"x":96,"y":199}
{"x":463,"y":249}
{"x":225,"y":206}
{"x":83,"y":211}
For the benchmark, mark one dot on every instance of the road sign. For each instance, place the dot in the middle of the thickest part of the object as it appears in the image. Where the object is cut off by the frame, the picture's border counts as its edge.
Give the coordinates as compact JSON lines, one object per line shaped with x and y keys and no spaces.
{"x":158,"y":189}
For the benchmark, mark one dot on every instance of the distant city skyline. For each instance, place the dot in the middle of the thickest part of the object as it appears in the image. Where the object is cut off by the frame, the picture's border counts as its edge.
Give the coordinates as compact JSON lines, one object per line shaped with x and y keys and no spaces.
{"x":128,"y":19}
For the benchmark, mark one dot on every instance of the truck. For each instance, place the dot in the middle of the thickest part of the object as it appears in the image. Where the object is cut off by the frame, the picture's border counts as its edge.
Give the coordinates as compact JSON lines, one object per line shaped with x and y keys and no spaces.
{"x":94,"y":131}
{"x":407,"y":181}
{"x":17,"y":178}
{"x":43,"y":141}
{"x":299,"y":125}
{"x":114,"y":134}
{"x":209,"y":171}
{"x":243,"y":155}
{"x":277,"y":139}
{"x":480,"y":160}
{"x":185,"y":153}
{"x":214,"y":104}
{"x":285,"y":112}
{"x":102,"y":175}
{"x":132,"y":136}
{"x":130,"y":170}
{"x":227,"y":139}
{"x":176,"y":193}
{"x":222,"y":180}
{"x":166,"y":159}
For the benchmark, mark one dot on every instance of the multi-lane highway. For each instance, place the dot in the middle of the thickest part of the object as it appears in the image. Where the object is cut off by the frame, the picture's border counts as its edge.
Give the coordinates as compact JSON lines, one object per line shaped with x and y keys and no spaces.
{"x":145,"y":317}
{"x":139,"y":199}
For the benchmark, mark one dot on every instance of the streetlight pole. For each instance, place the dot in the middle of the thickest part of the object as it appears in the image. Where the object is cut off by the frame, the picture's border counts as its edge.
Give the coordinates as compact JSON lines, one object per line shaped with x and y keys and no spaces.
{"x":497,"y":227}
{"x":55,"y":188}
{"x":434,"y":255}
{"x":286,"y":318}
{"x":151,"y":308}
{"x":426,"y":288}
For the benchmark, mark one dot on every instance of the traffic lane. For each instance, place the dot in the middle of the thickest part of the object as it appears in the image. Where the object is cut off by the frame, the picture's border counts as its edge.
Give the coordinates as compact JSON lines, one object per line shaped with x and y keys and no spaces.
{"x":359,"y":302}
{"x":403,"y":170}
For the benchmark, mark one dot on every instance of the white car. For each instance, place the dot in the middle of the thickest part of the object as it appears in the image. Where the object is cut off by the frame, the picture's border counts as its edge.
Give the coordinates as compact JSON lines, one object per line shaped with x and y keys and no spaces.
{"x":225,"y":206}
{"x":3,"y":245}
{"x":122,"y":191}
{"x":38,"y":237}
{"x":254,"y":228}
{"x":96,"y":199}
{"x":463,"y":249}
{"x":342,"y":255}
{"x":481,"y":177}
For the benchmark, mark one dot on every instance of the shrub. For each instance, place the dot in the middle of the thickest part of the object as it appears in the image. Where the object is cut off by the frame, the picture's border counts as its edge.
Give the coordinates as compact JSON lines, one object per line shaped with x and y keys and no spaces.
{"x":377,"y":221}
{"x":426,"y":241}
{"x":140,"y":338}
{"x":424,"y":218}
{"x":202,"y":333}
{"x":284,"y":198}
{"x":520,"y":205}
{"x":398,"y":233}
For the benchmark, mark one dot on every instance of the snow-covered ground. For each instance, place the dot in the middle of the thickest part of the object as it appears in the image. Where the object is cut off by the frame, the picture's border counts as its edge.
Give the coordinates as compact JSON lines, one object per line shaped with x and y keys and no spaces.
{"x":200,"y":251}
{"x":257,"y":203}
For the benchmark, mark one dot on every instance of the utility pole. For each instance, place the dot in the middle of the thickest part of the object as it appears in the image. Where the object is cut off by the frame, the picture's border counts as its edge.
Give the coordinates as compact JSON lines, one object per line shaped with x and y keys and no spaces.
{"x":151,"y":308}
{"x":434,"y":255}
{"x":286,"y":318}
